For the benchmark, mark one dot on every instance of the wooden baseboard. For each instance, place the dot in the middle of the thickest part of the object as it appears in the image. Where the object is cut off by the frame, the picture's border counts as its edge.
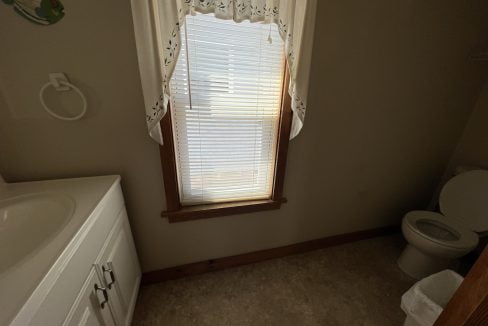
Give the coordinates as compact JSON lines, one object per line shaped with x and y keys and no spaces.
{"x":261,"y":255}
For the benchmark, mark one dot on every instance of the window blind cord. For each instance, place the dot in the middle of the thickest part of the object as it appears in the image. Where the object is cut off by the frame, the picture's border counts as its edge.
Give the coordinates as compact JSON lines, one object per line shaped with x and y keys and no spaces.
{"x":270,"y":40}
{"x":188,"y":66}
{"x":190,"y":102}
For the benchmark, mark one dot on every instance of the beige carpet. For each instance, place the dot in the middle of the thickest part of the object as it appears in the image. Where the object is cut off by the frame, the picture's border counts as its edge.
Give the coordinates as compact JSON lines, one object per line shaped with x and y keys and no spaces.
{"x":352,"y":284}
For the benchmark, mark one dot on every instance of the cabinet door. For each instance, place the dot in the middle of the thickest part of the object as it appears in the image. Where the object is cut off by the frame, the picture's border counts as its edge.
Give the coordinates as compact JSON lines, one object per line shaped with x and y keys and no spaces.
{"x":87,"y":309}
{"x":121,"y":271}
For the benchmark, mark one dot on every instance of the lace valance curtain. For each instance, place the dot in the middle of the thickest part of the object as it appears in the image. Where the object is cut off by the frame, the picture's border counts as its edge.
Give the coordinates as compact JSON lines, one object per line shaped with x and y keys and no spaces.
{"x":157,"y":29}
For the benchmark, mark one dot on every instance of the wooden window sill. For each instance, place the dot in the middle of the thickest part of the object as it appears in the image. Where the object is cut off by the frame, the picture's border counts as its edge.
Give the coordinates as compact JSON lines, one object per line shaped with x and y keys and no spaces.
{"x":196,"y":212}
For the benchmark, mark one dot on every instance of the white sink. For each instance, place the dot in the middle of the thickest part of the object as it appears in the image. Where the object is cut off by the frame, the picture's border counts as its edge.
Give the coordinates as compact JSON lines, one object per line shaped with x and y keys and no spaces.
{"x":29,"y":221}
{"x":41,"y":222}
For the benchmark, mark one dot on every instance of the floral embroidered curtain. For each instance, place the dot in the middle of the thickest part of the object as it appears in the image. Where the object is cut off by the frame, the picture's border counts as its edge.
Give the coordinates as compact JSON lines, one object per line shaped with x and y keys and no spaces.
{"x":157,"y":30}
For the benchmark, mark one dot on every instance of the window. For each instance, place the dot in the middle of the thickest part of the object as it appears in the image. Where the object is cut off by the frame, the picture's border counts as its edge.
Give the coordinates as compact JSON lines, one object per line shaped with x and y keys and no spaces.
{"x":227,"y":132}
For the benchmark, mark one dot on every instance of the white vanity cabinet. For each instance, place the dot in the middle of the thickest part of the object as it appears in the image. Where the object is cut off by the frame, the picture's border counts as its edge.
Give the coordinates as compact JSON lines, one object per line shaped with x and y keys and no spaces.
{"x":95,"y":280}
{"x":109,"y":293}
{"x":119,"y":270}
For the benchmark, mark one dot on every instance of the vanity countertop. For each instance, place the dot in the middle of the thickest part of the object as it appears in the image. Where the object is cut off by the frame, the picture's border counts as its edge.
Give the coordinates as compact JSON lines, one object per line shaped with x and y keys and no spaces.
{"x":20,"y":280}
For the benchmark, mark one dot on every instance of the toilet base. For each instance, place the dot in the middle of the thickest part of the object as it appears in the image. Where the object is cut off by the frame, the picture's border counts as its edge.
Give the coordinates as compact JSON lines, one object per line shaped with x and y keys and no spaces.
{"x":418,"y":265}
{"x":409,"y":321}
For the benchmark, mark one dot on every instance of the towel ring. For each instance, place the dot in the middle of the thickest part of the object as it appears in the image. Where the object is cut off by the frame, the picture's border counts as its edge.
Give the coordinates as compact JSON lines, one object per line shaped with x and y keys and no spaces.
{"x":71,"y":86}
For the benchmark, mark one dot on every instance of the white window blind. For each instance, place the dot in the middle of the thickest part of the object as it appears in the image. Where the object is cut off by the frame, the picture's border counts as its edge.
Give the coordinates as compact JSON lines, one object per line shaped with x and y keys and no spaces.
{"x":226,"y":96}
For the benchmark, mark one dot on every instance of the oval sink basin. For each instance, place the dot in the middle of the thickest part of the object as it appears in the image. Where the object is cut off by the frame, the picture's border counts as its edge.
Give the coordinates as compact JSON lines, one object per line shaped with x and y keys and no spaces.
{"x":28,"y":221}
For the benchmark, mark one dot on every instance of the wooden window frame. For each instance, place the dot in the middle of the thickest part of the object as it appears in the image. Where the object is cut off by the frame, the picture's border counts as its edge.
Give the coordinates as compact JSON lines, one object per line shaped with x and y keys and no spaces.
{"x":175,"y":212}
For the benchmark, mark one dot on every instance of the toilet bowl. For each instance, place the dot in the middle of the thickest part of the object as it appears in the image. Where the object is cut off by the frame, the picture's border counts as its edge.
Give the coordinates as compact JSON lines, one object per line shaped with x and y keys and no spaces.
{"x":435,"y":239}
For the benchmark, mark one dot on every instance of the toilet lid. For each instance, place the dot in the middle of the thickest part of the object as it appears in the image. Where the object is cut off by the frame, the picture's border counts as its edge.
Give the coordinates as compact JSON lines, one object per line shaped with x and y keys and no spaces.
{"x":465,"y":198}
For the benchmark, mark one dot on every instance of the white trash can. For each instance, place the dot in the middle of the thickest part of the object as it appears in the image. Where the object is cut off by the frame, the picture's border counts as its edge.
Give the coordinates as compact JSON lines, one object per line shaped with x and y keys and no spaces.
{"x":425,"y":300}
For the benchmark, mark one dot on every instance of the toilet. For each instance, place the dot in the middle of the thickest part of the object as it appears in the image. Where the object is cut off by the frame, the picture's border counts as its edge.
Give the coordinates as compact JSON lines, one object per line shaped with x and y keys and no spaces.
{"x":435,"y":239}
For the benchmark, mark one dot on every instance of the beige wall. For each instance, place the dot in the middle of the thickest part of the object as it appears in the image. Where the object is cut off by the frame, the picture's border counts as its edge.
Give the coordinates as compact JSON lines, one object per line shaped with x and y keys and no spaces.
{"x":391,"y":90}
{"x":472,"y":149}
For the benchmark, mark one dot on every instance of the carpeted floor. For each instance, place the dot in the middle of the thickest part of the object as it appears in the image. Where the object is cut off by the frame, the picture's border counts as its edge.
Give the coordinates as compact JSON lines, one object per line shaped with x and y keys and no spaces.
{"x":353,"y":284}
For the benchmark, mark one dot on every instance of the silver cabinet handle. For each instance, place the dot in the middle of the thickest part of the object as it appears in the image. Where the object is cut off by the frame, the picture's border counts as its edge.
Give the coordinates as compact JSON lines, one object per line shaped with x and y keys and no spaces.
{"x":112,"y":276}
{"x":105,"y":295}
